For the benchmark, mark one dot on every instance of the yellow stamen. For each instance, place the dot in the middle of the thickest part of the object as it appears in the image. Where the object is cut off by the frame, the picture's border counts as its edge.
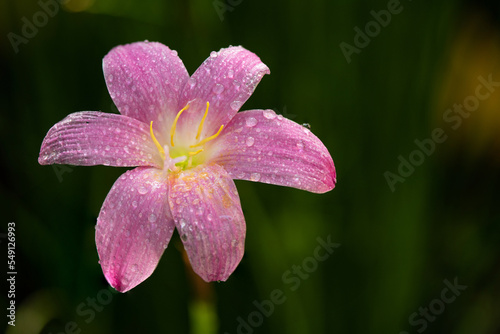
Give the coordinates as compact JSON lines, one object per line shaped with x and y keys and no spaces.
{"x":200,"y":128}
{"x":160,"y":149}
{"x":172,"y":130}
{"x":208,"y":138}
{"x":195,"y":153}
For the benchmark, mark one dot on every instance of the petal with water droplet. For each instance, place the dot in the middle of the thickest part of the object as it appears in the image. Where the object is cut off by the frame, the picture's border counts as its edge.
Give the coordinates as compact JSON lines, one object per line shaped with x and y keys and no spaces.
{"x":214,"y":233}
{"x":90,"y":138}
{"x":285,"y":156}
{"x":144,"y":74}
{"x":133,"y":229}
{"x":228,"y":66}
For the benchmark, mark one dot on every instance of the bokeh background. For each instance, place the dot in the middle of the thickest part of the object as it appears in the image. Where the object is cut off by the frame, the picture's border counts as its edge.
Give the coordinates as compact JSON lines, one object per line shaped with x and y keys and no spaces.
{"x":397,"y":246}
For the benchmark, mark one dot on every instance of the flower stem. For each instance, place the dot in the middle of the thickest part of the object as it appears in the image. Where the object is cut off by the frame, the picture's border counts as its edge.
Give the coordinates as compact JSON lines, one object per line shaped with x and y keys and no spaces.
{"x":202,"y":308}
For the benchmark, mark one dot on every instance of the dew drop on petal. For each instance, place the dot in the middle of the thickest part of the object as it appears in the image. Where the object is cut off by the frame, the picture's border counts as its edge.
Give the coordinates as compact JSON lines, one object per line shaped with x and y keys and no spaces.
{"x":218,"y":88}
{"x":191,"y":82}
{"x":255,"y":176}
{"x":184,"y":237}
{"x":213,"y":54}
{"x":142,"y":189}
{"x":300,"y":145}
{"x":182,"y":222}
{"x":134,"y":204}
{"x":174,"y":53}
{"x":269,"y":114}
{"x":236,"y":105}
{"x":230,"y":74}
{"x":152,"y":218}
{"x":110,"y":78}
{"x":249,"y":141}
{"x":250,"y":122}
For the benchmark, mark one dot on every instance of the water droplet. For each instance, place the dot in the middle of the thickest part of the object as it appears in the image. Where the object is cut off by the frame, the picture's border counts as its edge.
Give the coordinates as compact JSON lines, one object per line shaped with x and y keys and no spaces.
{"x":236,"y":105}
{"x":142,"y":189}
{"x":210,"y":217}
{"x":152,"y":218}
{"x":249,"y":141}
{"x":280,"y":117}
{"x":134,"y":204}
{"x":269,"y":114}
{"x":218,"y":88}
{"x":107,"y":148}
{"x":251,"y":121}
{"x":182,"y":222}
{"x":300,"y":145}
{"x":191,"y":82}
{"x":184,"y":237}
{"x":110,"y":78}
{"x":255,"y":176}
{"x":128,"y":81}
{"x":125,"y":148}
{"x":174,"y":53}
{"x":213,"y":54}
{"x":230,"y":74}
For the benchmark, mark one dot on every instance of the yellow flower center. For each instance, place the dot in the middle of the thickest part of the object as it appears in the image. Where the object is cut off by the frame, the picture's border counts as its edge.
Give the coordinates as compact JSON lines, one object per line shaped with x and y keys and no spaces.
{"x":183,"y":158}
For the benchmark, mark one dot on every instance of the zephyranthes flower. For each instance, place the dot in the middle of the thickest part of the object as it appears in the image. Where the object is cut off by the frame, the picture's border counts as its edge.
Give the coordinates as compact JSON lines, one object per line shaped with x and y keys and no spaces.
{"x":189,"y":143}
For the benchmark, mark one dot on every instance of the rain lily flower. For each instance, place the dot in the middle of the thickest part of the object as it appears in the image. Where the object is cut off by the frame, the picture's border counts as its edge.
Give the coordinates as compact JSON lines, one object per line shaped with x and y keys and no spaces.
{"x":188,"y":142}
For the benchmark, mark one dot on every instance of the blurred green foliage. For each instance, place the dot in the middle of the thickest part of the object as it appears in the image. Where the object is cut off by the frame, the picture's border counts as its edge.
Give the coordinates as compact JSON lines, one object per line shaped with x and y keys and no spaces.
{"x":396,"y":248}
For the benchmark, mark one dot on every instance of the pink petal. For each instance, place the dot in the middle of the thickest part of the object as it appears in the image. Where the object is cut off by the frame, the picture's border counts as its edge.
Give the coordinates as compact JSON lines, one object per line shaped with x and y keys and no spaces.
{"x":91,"y":138}
{"x":207,"y":213}
{"x":258,"y":145}
{"x":134,"y":227}
{"x":144,"y":79}
{"x":226,"y":79}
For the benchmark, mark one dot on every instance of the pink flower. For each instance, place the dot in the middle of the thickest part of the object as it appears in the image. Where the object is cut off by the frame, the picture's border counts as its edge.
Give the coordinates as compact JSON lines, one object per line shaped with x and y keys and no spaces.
{"x":189,"y":143}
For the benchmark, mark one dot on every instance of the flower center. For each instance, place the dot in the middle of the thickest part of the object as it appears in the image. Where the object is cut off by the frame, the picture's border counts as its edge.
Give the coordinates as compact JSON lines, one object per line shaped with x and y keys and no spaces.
{"x":180,"y":158}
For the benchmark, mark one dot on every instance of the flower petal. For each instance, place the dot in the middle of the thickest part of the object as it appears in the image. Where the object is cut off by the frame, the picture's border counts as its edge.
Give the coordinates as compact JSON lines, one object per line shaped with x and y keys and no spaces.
{"x":207,"y":212}
{"x":144,"y":80}
{"x":134,"y":227}
{"x":258,"y":145}
{"x":226,"y":80}
{"x":89,"y":138}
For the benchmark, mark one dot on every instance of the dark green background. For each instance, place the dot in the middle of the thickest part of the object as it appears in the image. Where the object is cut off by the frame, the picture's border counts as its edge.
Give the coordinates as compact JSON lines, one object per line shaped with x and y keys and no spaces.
{"x":397,"y":247}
